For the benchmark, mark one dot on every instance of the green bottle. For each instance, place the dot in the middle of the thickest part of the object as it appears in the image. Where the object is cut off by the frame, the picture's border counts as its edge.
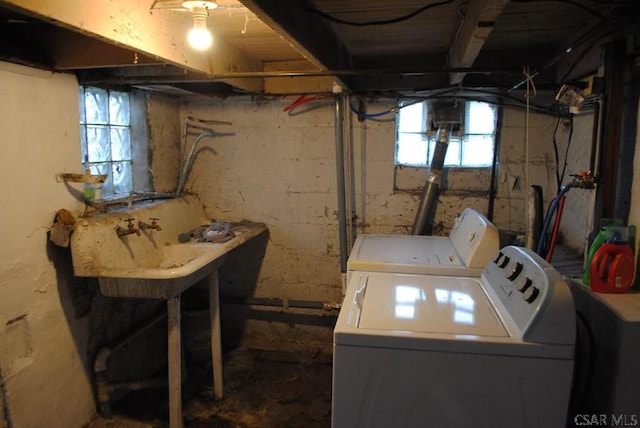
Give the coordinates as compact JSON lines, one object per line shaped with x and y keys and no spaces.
{"x":597,"y":242}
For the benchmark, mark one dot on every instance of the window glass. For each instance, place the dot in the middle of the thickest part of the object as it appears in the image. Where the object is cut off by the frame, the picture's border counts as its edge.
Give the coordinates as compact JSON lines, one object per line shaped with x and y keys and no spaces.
{"x":480,"y":118}
{"x":105,"y":137}
{"x":412,"y":150}
{"x":96,"y":106}
{"x":412,"y":118}
{"x":474,"y":148}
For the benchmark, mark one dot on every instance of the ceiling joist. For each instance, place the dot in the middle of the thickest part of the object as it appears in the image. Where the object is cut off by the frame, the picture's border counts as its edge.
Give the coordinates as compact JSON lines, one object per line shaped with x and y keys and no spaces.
{"x":158,"y":35}
{"x":477,"y":24}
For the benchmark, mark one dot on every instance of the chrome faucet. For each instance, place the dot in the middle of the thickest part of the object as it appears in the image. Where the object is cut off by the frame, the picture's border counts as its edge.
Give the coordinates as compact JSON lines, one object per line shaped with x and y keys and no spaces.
{"x":122,"y":231}
{"x":154,"y":224}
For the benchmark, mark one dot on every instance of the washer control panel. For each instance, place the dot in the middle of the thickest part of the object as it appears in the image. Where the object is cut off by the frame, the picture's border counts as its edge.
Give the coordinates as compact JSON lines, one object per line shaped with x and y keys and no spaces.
{"x":474,"y":237}
{"x":524,"y":286}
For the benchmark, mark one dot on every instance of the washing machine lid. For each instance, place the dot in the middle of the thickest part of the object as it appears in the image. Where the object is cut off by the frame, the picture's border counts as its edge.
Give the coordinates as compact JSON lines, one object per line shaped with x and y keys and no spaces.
{"x":434,"y":255}
{"x":416,"y":304}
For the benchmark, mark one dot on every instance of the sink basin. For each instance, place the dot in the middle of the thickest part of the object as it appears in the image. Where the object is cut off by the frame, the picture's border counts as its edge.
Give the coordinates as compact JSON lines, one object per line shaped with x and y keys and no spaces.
{"x":152,"y":265}
{"x":179,"y":267}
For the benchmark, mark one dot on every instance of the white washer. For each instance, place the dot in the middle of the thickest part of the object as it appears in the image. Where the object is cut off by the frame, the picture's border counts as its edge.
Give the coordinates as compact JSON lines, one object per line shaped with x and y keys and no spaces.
{"x":443,"y":351}
{"x":471,"y":243}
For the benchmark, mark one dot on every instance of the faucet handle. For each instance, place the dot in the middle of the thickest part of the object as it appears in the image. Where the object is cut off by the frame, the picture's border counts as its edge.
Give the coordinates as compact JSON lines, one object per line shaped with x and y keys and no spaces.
{"x":122,"y":231}
{"x":155,"y":223}
{"x":132,"y":228}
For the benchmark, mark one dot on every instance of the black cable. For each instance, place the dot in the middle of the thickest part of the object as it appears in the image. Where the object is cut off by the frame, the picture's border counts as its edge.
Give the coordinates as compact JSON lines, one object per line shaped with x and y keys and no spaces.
{"x":379,"y":22}
{"x":571,"y":2}
{"x":492,"y":96}
{"x":555,"y":151}
{"x":613,"y":2}
{"x":566,"y":152}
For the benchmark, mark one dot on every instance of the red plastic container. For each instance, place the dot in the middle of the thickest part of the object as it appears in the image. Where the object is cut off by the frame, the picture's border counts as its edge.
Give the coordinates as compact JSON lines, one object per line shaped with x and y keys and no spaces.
{"x":612,"y":268}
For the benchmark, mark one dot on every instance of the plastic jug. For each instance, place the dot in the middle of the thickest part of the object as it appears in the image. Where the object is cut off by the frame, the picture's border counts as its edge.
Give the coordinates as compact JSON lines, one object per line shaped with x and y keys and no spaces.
{"x":595,"y":245}
{"x":612,"y":266}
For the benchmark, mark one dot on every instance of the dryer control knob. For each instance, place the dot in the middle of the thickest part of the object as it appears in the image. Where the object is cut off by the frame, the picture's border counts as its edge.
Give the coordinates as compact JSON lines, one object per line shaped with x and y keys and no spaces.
{"x":523,"y":284}
{"x":514,"y":272}
{"x":530,"y":294}
{"x":505,"y":261}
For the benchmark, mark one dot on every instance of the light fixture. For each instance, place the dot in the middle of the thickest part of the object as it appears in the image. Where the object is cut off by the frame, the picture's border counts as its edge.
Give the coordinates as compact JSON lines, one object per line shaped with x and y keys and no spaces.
{"x":199,"y":36}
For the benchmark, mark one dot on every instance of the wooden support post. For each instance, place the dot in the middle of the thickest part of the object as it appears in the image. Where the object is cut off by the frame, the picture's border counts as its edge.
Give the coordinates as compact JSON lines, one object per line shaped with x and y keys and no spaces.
{"x":175,"y":366}
{"x":216,"y":336}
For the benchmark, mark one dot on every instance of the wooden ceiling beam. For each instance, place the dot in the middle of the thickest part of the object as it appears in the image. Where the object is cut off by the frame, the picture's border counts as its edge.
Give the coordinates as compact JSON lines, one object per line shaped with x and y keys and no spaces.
{"x":311,"y":36}
{"x":477,"y":24}
{"x":131,"y":25}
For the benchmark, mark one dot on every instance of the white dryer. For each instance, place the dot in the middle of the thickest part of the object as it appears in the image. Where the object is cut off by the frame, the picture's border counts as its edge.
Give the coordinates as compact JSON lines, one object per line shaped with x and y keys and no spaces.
{"x":471,"y":243}
{"x":444,"y":351}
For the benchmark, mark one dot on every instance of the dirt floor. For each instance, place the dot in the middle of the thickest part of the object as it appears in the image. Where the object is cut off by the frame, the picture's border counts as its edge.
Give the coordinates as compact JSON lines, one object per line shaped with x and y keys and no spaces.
{"x":262,"y":390}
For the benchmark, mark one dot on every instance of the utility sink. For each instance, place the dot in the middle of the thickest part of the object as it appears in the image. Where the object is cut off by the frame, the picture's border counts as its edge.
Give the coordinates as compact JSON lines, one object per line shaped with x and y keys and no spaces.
{"x":140,"y":254}
{"x":151,"y":264}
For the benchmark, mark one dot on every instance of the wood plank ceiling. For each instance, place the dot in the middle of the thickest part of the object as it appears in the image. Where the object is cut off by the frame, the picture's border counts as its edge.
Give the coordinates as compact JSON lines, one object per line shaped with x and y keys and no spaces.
{"x":306,"y":46}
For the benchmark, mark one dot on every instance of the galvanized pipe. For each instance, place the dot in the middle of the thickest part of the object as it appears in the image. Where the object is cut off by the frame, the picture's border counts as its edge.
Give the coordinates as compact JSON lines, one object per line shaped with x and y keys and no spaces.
{"x":423,"y":224}
{"x":341,"y":183}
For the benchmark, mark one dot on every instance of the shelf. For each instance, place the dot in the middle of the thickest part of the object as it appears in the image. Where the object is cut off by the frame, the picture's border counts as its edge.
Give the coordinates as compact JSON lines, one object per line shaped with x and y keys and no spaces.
{"x":80,"y":178}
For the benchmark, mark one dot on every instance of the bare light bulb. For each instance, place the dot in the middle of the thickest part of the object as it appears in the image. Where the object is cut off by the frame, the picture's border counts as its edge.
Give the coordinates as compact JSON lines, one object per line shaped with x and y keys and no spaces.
{"x":199,"y":36}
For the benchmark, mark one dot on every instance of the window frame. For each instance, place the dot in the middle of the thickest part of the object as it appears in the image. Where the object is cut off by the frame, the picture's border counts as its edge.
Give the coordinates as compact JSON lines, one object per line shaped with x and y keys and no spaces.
{"x":459,"y":138}
{"x":456,"y":179}
{"x":140,"y":173}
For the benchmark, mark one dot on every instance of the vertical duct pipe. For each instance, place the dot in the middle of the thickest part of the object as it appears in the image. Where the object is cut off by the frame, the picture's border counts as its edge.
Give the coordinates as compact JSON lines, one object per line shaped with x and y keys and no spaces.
{"x":341,"y":184}
{"x":493,"y":187}
{"x":446,"y":115}
{"x":423,"y":224}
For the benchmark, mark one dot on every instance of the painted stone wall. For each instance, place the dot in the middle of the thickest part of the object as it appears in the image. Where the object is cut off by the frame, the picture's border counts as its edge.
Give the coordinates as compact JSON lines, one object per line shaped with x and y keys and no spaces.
{"x":52,"y":324}
{"x":165,"y":133}
{"x":279,"y":168}
{"x":42,"y":357}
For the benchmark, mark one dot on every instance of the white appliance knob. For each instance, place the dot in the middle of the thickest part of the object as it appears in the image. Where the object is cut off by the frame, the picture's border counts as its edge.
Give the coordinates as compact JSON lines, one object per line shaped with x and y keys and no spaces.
{"x":514,"y":272}
{"x":530,"y":294}
{"x":523,"y":284}
{"x":504,"y":262}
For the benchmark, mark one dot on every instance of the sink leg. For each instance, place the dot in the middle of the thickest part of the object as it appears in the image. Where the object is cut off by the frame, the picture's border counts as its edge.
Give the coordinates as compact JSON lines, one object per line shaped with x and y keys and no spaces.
{"x":216,"y":337}
{"x":175,"y":366}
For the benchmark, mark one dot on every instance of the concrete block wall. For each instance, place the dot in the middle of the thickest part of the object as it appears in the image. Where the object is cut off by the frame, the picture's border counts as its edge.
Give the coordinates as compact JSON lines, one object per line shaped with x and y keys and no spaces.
{"x":51,"y":323}
{"x":279,"y":168}
{"x":42,"y":361}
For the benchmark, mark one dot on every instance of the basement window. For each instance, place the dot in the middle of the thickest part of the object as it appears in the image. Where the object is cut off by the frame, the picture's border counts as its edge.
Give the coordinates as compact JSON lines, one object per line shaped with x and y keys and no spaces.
{"x":472,"y":148}
{"x":106,"y":137}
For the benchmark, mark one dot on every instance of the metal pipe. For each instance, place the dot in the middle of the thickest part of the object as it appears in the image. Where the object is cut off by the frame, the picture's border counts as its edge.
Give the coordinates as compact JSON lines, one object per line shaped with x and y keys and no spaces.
{"x":350,"y":189}
{"x":187,"y":165}
{"x":493,"y":186}
{"x":340,"y":185}
{"x":423,"y":224}
{"x":282,"y":303}
{"x":87,"y":80}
